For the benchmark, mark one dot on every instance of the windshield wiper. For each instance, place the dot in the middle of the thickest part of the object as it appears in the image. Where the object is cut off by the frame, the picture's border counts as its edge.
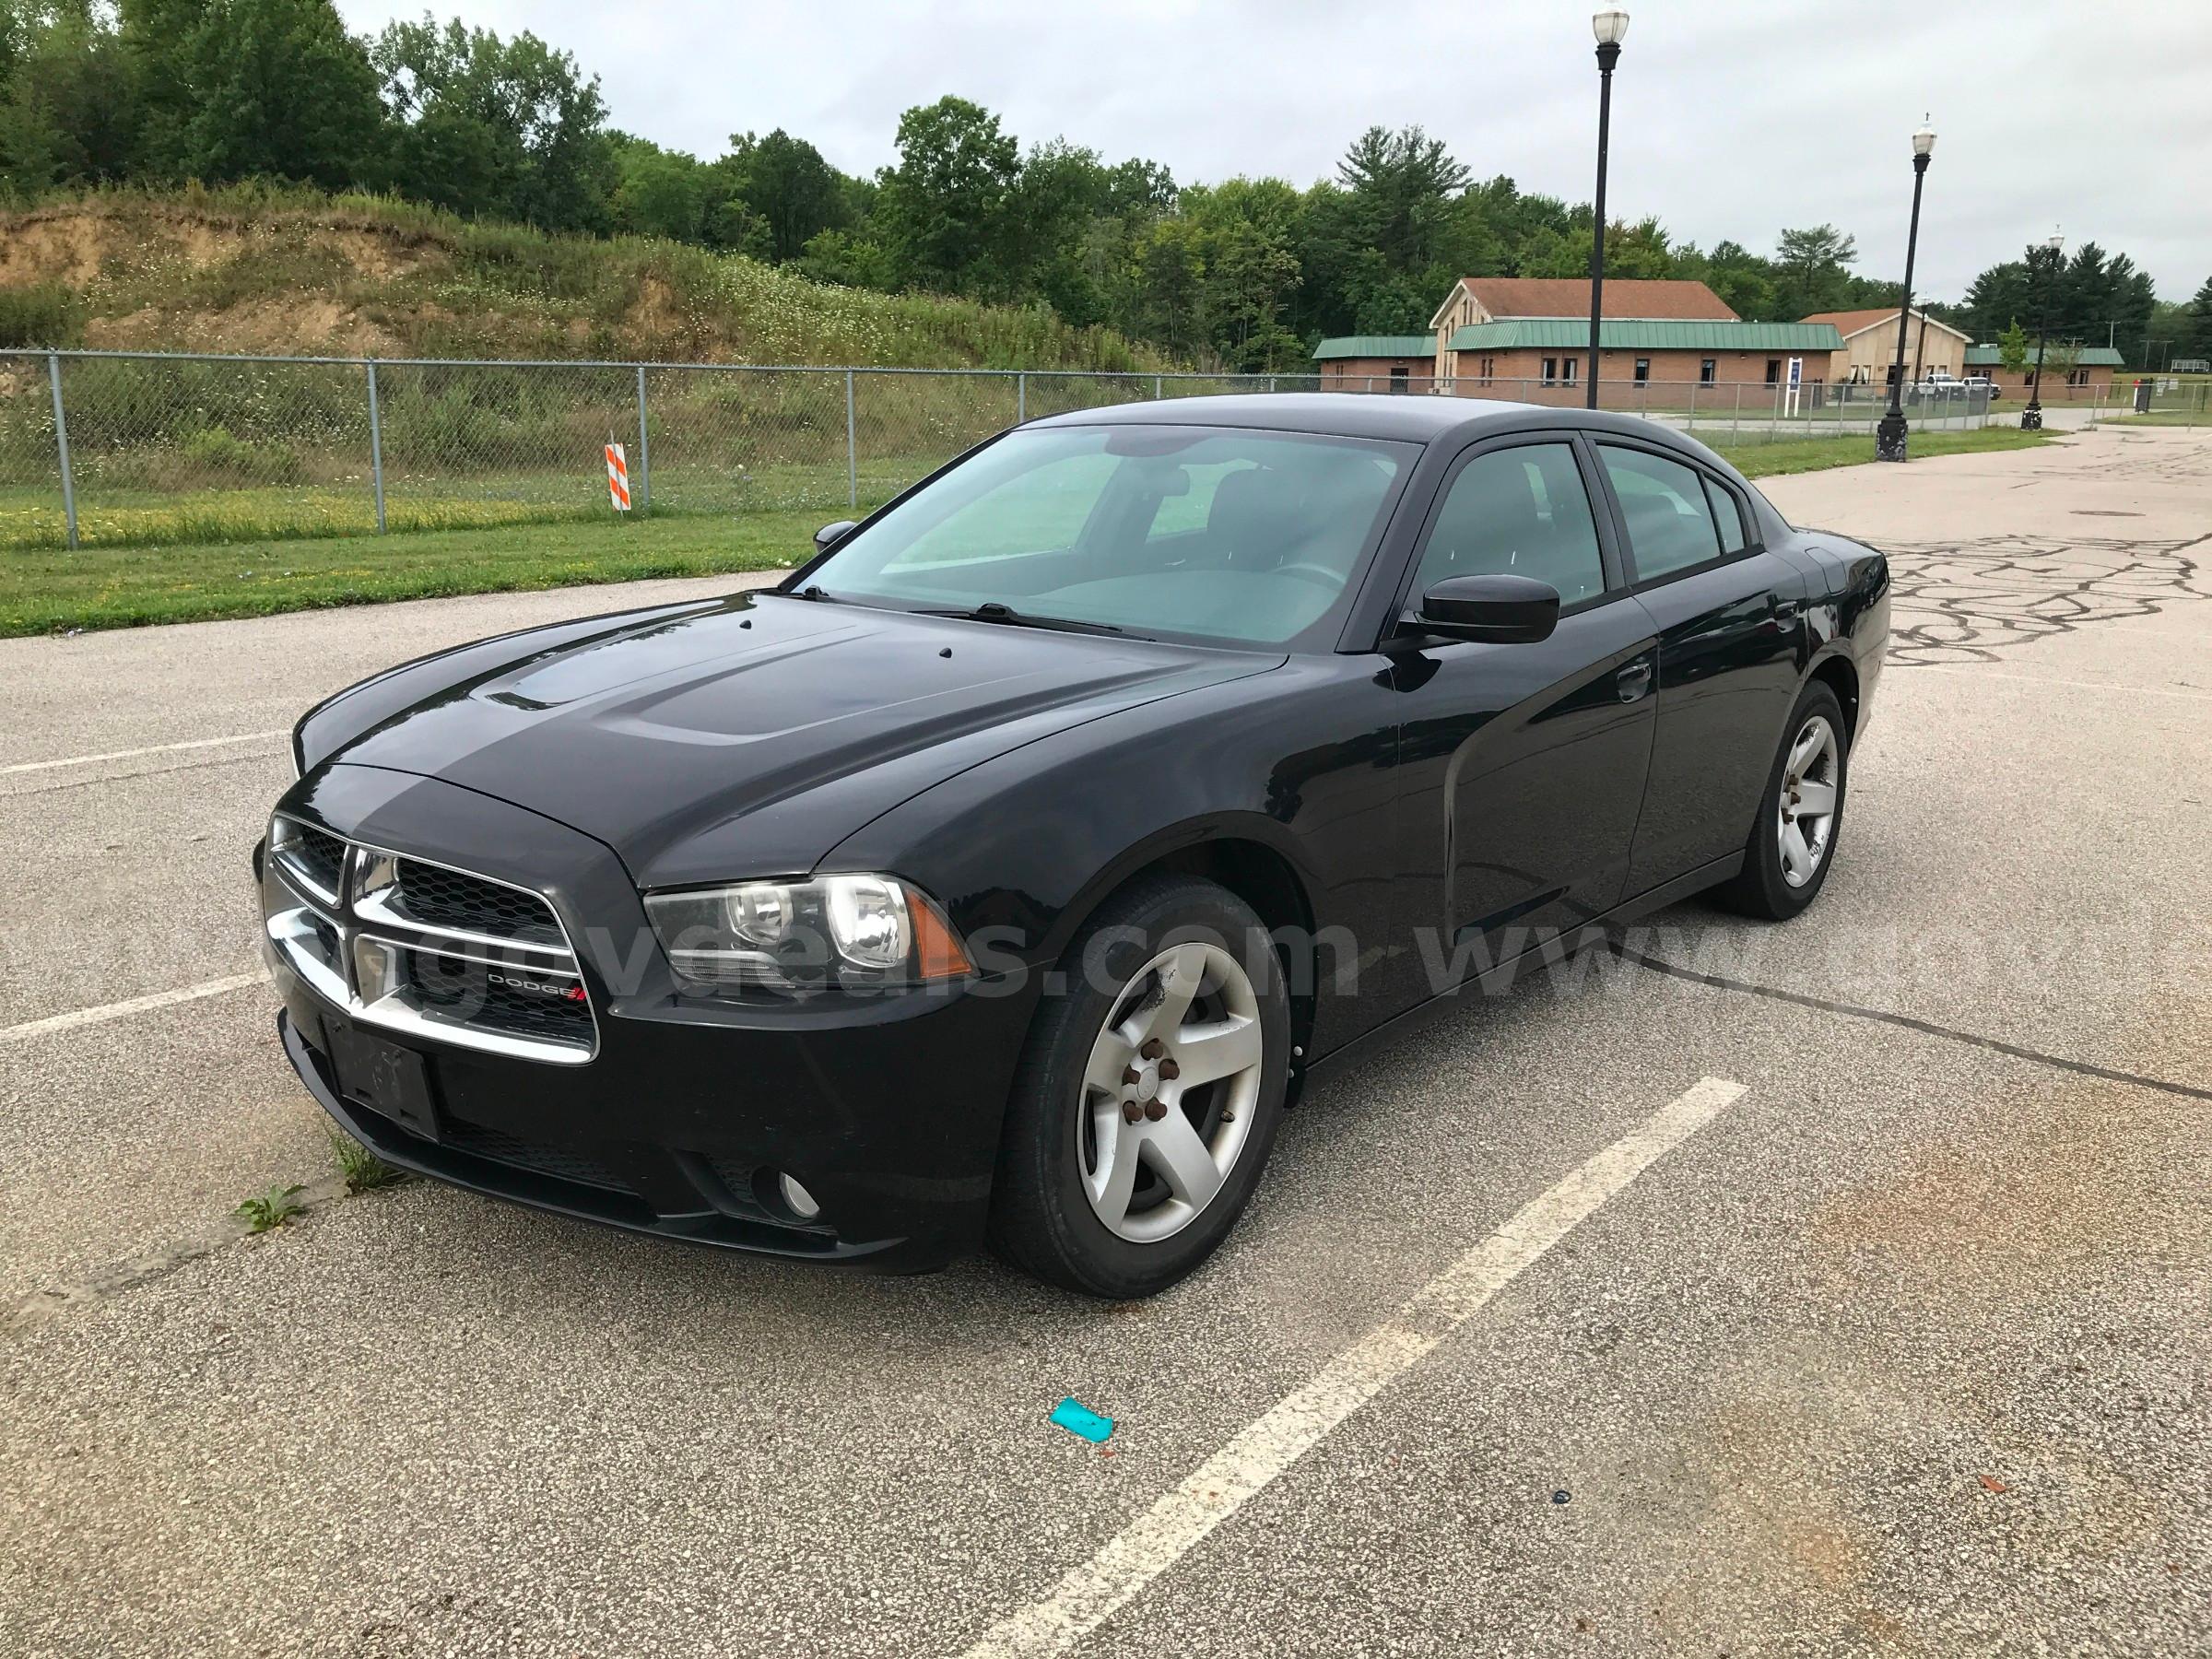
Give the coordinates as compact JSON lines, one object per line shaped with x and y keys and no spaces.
{"x":991,"y":610}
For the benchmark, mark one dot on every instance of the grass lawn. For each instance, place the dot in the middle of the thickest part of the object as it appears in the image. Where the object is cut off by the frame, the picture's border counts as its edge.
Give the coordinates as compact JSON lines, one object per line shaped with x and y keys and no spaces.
{"x":1818,"y":454}
{"x":47,"y":590}
{"x":2165,"y":417}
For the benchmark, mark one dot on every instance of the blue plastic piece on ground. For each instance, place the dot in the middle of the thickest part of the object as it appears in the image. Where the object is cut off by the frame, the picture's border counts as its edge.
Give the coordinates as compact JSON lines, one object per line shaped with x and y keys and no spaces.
{"x":1078,"y":1418}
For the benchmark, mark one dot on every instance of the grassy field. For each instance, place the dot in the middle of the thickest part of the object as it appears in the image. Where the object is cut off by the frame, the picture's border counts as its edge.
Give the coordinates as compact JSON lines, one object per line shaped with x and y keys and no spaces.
{"x":2164,"y":418}
{"x":1818,"y":454}
{"x":98,"y":587}
{"x":47,"y":591}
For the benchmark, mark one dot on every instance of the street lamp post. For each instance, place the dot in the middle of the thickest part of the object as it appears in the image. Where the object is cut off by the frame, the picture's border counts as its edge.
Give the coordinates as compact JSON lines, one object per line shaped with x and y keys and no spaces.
{"x":2031,"y":418}
{"x":1889,"y":437}
{"x":1611,"y":27}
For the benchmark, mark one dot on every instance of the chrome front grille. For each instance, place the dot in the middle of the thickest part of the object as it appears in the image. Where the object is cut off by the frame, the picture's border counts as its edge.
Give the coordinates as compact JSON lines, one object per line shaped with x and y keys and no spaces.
{"x":405,"y":942}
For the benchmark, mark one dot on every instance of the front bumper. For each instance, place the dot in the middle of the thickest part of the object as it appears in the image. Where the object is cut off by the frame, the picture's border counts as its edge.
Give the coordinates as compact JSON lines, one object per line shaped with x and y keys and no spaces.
{"x":888,"y":1109}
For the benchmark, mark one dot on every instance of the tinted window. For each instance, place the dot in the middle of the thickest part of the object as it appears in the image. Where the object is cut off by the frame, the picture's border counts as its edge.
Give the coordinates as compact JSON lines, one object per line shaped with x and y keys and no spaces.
{"x":1728,"y":514}
{"x":1230,"y":533}
{"x":1662,"y":503}
{"x":1519,"y":512}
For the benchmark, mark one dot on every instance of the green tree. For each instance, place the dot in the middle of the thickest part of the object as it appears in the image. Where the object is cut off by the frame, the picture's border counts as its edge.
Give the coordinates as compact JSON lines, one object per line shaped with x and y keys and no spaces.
{"x":659,"y":193}
{"x":486,"y":126}
{"x":943,"y":211}
{"x":1814,"y":270}
{"x":279,"y":90}
{"x":2013,"y":346}
{"x":1402,"y":185}
{"x":2197,"y":341}
{"x":68,"y":113}
{"x":797,"y":194}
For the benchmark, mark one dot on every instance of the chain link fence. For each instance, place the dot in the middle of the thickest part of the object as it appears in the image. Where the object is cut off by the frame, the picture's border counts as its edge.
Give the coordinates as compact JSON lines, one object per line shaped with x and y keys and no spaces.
{"x":123,"y":449}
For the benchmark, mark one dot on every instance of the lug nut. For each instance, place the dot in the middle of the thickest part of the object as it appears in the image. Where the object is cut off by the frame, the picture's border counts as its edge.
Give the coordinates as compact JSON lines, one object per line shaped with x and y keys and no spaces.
{"x":1130,"y":1076}
{"x":1156,"y":1110}
{"x":1153,"y":1048}
{"x":1170,"y":1071}
{"x":1130,"y":1111}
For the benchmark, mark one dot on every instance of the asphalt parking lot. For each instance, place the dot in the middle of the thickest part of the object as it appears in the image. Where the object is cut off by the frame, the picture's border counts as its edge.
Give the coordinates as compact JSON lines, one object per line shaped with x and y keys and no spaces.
{"x":1835,"y":1288}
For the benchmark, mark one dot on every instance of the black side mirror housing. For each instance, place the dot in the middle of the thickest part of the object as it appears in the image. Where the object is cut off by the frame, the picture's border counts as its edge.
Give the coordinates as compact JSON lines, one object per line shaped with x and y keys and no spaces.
{"x":1499,"y":610}
{"x":829,"y":535}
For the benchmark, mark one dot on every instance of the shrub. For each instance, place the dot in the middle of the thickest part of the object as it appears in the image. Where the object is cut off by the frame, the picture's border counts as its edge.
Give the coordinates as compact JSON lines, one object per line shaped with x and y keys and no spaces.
{"x":43,"y":314}
{"x":213,"y":452}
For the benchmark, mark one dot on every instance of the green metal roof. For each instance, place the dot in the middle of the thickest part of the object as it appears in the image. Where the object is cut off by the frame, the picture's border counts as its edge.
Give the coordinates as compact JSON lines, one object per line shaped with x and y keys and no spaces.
{"x":2087,"y":357}
{"x":1628,"y":334}
{"x":1377,"y":345}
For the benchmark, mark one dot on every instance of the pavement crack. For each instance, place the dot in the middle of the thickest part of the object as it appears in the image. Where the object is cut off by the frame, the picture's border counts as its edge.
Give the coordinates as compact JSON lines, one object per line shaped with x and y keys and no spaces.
{"x":1883,"y":1017}
{"x":106,"y":1283}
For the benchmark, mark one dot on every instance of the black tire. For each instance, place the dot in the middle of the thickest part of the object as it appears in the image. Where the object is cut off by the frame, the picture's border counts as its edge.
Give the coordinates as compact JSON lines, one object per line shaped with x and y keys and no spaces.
{"x":1763,"y":889}
{"x":1042,"y":1219}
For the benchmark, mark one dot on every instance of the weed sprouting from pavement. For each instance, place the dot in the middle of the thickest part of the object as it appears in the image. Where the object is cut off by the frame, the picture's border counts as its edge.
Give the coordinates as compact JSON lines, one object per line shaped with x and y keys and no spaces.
{"x":363,"y":1169}
{"x":271,"y":1209}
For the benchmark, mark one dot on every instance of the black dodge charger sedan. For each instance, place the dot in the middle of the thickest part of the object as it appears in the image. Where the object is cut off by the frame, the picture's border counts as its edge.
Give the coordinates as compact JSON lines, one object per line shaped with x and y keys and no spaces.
{"x":1003,"y":872}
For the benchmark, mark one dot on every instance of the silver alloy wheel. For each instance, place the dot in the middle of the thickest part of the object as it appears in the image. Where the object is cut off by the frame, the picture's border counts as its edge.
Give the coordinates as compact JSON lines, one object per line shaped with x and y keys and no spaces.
{"x":1804,"y":813}
{"x":1170,"y":1091}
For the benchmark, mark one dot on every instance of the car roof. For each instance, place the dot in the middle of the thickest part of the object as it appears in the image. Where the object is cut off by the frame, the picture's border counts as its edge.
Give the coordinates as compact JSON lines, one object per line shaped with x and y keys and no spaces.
{"x":1419,"y":418}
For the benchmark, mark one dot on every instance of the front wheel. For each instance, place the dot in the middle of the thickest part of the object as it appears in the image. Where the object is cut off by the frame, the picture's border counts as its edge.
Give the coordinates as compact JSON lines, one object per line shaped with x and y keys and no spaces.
{"x":1148,"y":1095}
{"x":1794,"y":841}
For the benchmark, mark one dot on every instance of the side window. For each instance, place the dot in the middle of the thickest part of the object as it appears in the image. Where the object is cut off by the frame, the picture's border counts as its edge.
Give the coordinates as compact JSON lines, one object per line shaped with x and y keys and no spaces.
{"x":1520,"y":512}
{"x":1728,"y":514}
{"x":1662,"y":503}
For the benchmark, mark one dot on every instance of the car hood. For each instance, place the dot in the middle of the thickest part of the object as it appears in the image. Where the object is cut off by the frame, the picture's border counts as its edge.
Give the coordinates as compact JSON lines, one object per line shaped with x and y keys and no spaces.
{"x":750,"y":736}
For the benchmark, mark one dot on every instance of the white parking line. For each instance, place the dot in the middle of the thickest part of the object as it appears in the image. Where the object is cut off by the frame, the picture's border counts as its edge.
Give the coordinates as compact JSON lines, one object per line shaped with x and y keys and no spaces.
{"x":1091,"y":1594}
{"x":132,"y":754}
{"x":137,"y":1004}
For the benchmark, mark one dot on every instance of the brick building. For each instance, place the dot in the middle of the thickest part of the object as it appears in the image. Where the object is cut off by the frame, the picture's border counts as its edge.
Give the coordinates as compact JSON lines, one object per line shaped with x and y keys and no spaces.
{"x":1528,"y":338}
{"x":2094,"y":367}
{"x":1377,"y":363}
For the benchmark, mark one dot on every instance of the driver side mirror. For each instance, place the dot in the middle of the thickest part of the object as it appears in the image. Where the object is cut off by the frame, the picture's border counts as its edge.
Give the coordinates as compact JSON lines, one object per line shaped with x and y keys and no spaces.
{"x":829,"y":535}
{"x":1499,"y":611}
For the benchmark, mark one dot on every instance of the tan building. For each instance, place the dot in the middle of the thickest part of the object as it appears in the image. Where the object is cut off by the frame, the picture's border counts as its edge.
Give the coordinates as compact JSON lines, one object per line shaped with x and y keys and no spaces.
{"x":1869,"y":353}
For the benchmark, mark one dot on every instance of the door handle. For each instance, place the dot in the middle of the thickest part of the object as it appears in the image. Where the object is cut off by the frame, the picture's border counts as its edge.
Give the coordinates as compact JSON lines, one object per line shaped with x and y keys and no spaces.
{"x":1634,"y":680}
{"x":1786,"y":609}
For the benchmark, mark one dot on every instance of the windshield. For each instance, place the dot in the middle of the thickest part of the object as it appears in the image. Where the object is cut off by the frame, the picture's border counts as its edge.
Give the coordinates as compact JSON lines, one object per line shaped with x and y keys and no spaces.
{"x":1235,"y":534}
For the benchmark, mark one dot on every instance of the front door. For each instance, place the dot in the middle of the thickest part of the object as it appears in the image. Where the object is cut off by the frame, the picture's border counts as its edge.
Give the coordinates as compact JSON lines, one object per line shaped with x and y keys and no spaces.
{"x":1522,"y":766}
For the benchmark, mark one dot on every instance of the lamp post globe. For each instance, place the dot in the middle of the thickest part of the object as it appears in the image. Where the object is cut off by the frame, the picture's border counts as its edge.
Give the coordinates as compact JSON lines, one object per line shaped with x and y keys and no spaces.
{"x":1610,"y":25}
{"x":1889,"y":437}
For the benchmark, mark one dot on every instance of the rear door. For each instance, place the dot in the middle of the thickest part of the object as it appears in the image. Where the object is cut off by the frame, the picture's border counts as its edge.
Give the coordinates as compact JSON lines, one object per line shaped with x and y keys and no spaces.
{"x":1522,"y":766}
{"x":1728,"y":617}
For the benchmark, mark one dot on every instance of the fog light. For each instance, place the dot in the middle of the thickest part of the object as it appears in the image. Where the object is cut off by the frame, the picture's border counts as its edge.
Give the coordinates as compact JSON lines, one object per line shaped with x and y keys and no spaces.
{"x":800,"y":1200}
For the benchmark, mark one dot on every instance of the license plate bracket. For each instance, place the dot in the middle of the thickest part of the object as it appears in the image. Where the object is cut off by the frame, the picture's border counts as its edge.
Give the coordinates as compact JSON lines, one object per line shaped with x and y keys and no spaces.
{"x":391,"y":1081}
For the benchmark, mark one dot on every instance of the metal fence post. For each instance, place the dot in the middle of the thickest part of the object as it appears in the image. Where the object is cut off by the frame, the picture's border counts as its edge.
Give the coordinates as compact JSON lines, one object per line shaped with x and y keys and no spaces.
{"x":376,"y":448}
{"x":1158,"y":383}
{"x":1022,"y":398}
{"x":1736,"y":421}
{"x":644,"y":450}
{"x":851,"y":450}
{"x":61,"y":445}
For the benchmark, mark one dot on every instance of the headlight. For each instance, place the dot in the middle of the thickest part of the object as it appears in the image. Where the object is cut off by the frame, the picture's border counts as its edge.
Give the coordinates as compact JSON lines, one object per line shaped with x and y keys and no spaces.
{"x":849,"y":931}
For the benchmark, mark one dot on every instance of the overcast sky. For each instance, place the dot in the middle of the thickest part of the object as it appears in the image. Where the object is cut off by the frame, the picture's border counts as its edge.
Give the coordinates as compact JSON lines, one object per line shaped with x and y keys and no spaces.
{"x":1731,"y":118}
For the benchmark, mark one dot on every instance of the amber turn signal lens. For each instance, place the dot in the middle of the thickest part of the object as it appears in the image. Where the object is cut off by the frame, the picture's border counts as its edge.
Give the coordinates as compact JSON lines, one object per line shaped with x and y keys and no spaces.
{"x":938,"y":953}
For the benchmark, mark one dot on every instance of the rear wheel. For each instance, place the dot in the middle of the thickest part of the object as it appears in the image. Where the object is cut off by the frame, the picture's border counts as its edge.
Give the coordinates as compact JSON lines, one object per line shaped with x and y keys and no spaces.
{"x":1148,"y":1096}
{"x":1793,"y":842}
